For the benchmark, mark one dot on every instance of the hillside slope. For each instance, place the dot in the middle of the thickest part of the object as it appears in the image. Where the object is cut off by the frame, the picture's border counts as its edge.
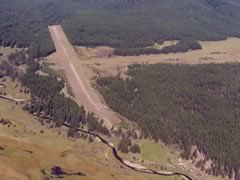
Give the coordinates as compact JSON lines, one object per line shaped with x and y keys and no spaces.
{"x":125,"y":23}
{"x":31,"y":151}
{"x":188,"y":105}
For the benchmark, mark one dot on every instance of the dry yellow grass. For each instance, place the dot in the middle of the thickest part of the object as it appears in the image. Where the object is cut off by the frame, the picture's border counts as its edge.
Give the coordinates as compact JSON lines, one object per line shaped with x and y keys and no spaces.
{"x":214,"y":178}
{"x":51,"y":149}
{"x":12,"y":89}
{"x":7,"y":50}
{"x":212,"y":52}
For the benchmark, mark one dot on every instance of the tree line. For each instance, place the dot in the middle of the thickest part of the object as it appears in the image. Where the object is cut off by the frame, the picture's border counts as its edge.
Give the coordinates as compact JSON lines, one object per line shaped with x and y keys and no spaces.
{"x":183,"y":45}
{"x":128,"y":25}
{"x":47,"y":101}
{"x":184,"y":105}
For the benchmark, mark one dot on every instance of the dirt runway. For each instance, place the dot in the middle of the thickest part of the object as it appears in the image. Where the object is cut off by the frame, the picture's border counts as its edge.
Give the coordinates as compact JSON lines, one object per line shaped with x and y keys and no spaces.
{"x":84,"y":93}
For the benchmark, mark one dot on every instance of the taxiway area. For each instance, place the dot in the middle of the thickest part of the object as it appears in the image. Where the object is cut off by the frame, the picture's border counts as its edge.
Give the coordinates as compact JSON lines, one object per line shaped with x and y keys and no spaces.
{"x":85,"y":94}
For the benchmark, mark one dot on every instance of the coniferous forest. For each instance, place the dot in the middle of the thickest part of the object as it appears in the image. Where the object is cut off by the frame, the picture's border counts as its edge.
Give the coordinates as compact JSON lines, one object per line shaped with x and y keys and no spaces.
{"x":177,"y":104}
{"x":47,"y":101}
{"x":185,"y":105}
{"x":127,"y":25}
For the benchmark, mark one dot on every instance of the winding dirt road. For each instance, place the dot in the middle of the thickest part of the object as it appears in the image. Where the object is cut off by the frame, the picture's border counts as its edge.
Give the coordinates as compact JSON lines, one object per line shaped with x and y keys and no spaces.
{"x":85,"y":95}
{"x":129,"y":164}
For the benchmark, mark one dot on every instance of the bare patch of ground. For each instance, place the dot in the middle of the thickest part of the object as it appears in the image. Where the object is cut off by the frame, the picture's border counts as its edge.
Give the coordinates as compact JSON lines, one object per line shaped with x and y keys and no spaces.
{"x":164,"y":44}
{"x":97,"y":52}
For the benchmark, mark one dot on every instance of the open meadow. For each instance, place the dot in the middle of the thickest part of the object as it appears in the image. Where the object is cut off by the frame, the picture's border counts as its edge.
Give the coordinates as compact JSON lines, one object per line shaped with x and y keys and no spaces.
{"x":212,"y":52}
{"x":29,"y":150}
{"x":119,"y":90}
{"x":93,"y":65}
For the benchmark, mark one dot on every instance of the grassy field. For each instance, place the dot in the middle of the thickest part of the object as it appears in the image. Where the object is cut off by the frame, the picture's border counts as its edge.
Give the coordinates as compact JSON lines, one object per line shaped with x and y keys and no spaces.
{"x":30,"y":148}
{"x":155,"y":156}
{"x":12,"y":89}
{"x":7,"y":50}
{"x":155,"y":152}
{"x":48,"y":149}
{"x":212,"y":52}
{"x":73,"y":156}
{"x":217,"y":52}
{"x":27,"y":151}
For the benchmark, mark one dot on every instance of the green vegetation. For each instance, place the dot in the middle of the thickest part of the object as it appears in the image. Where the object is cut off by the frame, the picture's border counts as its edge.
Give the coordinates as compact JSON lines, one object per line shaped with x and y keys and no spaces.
{"x":46,"y":68}
{"x":181,"y":46}
{"x":125,"y":145}
{"x":128,"y":25}
{"x":13,"y":89}
{"x":50,"y":149}
{"x":185,"y":105}
{"x":47,"y":101}
{"x":135,"y":149}
{"x":154,"y":152}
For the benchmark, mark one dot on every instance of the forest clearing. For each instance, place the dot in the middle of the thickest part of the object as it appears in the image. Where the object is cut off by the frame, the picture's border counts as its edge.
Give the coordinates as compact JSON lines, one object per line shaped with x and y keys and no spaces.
{"x":224,"y":51}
